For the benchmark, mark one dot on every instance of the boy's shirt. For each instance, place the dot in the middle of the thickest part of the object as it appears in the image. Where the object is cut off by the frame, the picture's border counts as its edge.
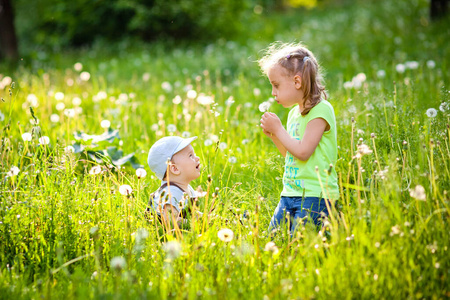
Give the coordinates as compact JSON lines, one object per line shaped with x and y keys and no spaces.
{"x":162,"y":197}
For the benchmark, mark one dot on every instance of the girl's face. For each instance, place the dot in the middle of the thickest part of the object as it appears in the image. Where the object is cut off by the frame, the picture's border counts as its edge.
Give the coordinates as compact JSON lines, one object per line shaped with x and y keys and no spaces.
{"x":285,"y":88}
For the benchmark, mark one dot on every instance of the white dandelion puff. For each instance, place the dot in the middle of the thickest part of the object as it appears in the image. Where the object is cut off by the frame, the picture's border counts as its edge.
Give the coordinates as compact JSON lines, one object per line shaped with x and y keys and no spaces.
{"x":78,"y":66}
{"x":13,"y":171}
{"x":171,"y":128}
{"x":226,"y":235}
{"x":431,"y":112}
{"x":125,"y":190}
{"x":418,"y":193}
{"x":141,"y":173}
{"x":105,"y":124}
{"x":118,"y":263}
{"x":95,"y":170}
{"x":27,"y":137}
{"x":44,"y":140}
{"x":85,"y":76}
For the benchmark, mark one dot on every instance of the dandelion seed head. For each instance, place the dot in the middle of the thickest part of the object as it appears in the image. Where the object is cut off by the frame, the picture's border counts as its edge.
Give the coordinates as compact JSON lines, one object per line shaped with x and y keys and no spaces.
{"x":141,"y":173}
{"x":105,"y":124}
{"x":118,"y":263}
{"x":125,"y":190}
{"x":85,"y":76}
{"x":44,"y":140}
{"x":431,"y":112}
{"x":13,"y":171}
{"x":171,"y":128}
{"x":27,"y":137}
{"x":226,"y":235}
{"x":78,"y":66}
{"x":59,"y":96}
{"x":172,"y":249}
{"x":95,"y":170}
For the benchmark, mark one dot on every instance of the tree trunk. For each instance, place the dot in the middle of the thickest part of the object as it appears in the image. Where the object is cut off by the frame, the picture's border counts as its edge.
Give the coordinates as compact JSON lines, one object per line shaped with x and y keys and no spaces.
{"x":438,"y":8}
{"x":8,"y":40}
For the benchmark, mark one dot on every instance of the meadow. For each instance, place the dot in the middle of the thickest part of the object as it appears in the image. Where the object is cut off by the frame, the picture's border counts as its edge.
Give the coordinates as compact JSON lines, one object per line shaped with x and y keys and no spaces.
{"x":76,"y":125}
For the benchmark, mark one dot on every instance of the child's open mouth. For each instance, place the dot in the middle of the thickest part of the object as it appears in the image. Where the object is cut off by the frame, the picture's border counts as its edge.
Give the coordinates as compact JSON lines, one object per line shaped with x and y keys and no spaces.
{"x":198,"y":167}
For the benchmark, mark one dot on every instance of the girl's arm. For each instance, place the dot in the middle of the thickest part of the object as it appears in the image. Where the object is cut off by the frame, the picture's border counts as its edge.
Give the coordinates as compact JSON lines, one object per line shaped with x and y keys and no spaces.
{"x":302,"y":149}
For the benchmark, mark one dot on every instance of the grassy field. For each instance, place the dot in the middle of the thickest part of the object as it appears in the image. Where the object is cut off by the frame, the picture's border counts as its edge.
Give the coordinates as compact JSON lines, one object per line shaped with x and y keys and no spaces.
{"x":66,"y":231}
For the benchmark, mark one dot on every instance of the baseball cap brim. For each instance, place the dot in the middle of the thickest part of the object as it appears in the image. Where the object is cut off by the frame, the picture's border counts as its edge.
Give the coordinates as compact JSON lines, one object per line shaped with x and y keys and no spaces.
{"x":183,"y":144}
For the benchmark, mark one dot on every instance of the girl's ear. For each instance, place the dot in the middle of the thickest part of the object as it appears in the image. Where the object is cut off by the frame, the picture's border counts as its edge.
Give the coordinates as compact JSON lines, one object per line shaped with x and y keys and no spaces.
{"x":298,"y":81}
{"x":174,"y":170}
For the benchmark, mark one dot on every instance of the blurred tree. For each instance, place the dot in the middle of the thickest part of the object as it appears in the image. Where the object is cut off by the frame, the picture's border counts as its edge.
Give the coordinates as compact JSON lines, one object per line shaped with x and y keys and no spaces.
{"x":438,"y":8}
{"x":8,"y":40}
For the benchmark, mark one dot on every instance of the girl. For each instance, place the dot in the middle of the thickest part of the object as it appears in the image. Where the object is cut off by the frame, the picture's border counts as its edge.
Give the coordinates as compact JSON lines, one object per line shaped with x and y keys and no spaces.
{"x":309,"y":142}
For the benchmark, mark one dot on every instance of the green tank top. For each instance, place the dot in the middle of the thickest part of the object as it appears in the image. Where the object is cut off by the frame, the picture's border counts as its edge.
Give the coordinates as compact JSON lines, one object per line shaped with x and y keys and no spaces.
{"x":300,"y":177}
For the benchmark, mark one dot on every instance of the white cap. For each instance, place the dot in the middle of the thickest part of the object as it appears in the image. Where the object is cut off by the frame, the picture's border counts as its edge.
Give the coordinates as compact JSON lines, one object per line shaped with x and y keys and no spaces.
{"x":163,"y":150}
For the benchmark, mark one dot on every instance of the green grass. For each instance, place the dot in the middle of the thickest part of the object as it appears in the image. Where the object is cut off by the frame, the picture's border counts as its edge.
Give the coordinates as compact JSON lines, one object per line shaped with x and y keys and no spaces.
{"x":61,"y":228}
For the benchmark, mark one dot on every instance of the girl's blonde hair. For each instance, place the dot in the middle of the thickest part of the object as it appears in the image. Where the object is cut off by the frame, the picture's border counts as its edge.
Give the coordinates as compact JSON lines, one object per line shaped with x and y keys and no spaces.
{"x":297,"y":60}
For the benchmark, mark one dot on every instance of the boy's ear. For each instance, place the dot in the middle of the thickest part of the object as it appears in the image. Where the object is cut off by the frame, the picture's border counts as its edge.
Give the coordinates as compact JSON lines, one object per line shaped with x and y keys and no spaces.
{"x":174,"y":169}
{"x":298,"y":82}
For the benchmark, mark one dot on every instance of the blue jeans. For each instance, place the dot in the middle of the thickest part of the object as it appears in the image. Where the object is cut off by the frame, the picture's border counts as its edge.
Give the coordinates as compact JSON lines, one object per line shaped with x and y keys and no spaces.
{"x":298,"y":208}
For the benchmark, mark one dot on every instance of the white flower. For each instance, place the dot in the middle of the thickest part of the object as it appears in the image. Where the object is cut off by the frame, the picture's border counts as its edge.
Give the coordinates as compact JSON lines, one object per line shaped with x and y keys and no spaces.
{"x":229,"y":101}
{"x":146,"y":76}
{"x":141,"y":173}
{"x":13,"y":171}
{"x":352,"y":109}
{"x":444,"y":107}
{"x":208,"y":142}
{"x":60,"y":106}
{"x":166,"y":86}
{"x":177,"y":100}
{"x":363,"y":149}
{"x":431,"y":64}
{"x":95,"y":170}
{"x":85,"y":76}
{"x":78,"y":66}
{"x":263,"y":107}
{"x":59,"y":96}
{"x":54,"y":118}
{"x":6,"y":81}
{"x":125,"y":190}
{"x":105,"y":124}
{"x":27,"y":137}
{"x":76,"y":101}
{"x":141,"y":235}
{"x":418,"y":193}
{"x":245,"y":141}
{"x":205,"y":100}
{"x":412,"y":65}
{"x":431,"y":112}
{"x":400,"y":68}
{"x":348,"y":85}
{"x":118,"y":263}
{"x":171,"y":128}
{"x":32,"y":100}
{"x":186,"y":134}
{"x":70,"y":113}
{"x":381,"y":73}
{"x":225,"y":235}
{"x":154,"y":127}
{"x":256,"y":92}
{"x":222,"y":146}
{"x":44,"y":140}
{"x":270,"y":246}
{"x":232,"y":160}
{"x":172,"y":249}
{"x":191,"y":94}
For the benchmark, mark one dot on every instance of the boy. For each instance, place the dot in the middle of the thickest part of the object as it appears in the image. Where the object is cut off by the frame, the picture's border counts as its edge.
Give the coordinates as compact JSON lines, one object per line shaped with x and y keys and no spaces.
{"x":174,"y":162}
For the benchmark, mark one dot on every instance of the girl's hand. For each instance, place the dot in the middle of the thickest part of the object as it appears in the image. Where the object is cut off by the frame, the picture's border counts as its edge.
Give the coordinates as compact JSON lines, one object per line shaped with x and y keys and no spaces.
{"x":270,"y":123}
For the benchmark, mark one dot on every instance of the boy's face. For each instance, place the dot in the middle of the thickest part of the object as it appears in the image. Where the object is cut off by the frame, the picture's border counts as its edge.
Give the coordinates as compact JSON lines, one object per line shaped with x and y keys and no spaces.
{"x":187,"y":163}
